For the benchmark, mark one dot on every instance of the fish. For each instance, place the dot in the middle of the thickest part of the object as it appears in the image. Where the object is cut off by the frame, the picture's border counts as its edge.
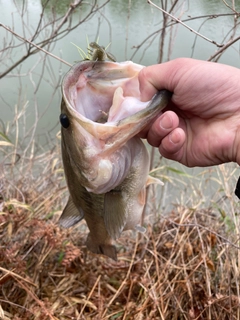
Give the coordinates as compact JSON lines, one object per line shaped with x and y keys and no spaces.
{"x":106,"y":164}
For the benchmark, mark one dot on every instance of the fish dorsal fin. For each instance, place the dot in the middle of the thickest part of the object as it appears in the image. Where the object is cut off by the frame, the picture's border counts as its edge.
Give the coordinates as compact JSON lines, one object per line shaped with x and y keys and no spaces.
{"x":70,"y":215}
{"x":152,"y":180}
{"x":114,"y":213}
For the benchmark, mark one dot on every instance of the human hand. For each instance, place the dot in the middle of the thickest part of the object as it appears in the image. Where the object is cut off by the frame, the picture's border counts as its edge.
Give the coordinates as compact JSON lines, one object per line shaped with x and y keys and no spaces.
{"x":201,"y":125}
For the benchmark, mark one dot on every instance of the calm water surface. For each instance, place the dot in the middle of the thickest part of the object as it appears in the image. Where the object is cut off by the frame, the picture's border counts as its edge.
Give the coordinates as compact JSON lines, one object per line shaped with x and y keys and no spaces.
{"x":124,"y":24}
{"x":35,"y":86}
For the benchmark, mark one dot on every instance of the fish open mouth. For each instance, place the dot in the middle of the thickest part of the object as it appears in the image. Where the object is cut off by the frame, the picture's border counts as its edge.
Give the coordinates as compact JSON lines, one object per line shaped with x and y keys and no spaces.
{"x":101,"y":113}
{"x":103,"y":91}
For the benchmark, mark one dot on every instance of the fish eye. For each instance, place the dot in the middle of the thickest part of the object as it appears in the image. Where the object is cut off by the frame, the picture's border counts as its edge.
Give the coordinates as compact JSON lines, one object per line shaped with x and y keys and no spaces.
{"x":64,"y":120}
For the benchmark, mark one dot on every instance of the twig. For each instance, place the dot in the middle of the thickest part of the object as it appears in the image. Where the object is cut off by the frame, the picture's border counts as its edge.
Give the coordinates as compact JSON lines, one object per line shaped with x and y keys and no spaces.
{"x":89,"y":296}
{"x":205,"y":228}
{"x":123,"y":282}
{"x":210,"y":16}
{"x":224,"y":48}
{"x":16,"y":276}
{"x":38,"y":301}
{"x":183,"y":24}
{"x":231,"y":8}
{"x":58,"y":33}
{"x":34,"y":45}
{"x":71,"y":8}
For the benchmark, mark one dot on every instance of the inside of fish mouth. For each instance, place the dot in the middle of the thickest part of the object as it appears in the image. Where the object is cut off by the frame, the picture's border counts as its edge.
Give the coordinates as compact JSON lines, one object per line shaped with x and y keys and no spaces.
{"x":103,"y":117}
{"x":91,"y":93}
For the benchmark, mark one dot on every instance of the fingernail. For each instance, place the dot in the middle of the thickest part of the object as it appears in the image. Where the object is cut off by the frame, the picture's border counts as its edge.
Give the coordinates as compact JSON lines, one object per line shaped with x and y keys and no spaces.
{"x":174,"y":137}
{"x":166,"y":122}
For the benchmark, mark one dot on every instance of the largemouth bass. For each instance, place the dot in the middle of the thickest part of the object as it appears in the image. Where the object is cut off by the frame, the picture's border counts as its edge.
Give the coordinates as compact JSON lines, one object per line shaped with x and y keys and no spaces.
{"x":106,"y":165}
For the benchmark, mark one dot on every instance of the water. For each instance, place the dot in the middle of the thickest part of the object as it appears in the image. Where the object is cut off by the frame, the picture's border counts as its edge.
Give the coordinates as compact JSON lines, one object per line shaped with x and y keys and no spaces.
{"x":125,"y":25}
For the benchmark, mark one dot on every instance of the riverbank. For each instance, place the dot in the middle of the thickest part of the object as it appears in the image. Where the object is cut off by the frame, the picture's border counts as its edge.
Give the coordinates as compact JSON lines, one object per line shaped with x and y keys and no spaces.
{"x":186,"y":265}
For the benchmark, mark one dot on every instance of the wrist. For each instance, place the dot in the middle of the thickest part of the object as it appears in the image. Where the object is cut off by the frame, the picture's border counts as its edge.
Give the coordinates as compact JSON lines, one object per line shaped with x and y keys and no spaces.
{"x":238,"y":146}
{"x":234,"y":142}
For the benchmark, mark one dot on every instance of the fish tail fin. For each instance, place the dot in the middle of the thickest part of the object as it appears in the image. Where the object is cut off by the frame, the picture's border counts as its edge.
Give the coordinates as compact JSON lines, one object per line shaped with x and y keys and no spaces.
{"x":108,"y":250}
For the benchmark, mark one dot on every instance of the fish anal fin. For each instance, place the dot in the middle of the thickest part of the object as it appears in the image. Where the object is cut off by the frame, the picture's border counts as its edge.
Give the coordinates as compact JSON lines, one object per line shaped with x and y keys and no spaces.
{"x":114,"y":213}
{"x":152,"y":180}
{"x":70,"y":215}
{"x":106,"y":249}
{"x":109,"y":251}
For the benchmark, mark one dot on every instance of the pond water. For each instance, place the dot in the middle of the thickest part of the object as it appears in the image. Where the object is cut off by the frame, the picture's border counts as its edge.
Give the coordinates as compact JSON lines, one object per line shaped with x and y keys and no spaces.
{"x":123,"y":24}
{"x":130,"y":27}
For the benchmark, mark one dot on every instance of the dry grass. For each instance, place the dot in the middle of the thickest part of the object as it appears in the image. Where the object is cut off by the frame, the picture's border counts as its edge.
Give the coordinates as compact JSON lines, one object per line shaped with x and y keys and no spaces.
{"x":186,"y":266}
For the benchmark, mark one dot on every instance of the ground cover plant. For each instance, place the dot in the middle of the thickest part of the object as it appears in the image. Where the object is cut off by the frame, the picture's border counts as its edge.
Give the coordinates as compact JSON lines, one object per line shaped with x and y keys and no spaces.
{"x":186,"y":265}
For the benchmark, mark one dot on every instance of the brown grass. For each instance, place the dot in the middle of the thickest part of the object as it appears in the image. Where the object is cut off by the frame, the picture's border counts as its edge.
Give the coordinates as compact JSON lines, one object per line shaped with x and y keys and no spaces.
{"x":186,"y":266}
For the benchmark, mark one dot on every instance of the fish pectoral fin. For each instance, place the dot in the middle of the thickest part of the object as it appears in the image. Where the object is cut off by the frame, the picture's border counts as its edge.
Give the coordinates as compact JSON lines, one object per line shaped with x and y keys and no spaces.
{"x":70,"y":215}
{"x":114,"y":213}
{"x":152,"y":180}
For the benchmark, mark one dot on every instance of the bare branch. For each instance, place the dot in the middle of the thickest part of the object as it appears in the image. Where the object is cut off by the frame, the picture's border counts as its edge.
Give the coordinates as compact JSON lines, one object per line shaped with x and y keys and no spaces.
{"x":186,"y":26}
{"x":224,"y":48}
{"x":56,"y":34}
{"x":24,"y":57}
{"x":154,"y":34}
{"x":231,"y":8}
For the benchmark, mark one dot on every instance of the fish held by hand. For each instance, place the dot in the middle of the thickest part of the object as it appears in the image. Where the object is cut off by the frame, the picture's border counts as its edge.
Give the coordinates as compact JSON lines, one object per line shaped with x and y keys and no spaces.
{"x":106,"y":165}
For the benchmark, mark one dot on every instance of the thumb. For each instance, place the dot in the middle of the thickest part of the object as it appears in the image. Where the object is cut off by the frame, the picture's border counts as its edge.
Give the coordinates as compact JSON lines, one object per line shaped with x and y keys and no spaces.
{"x":146,"y":87}
{"x":162,"y":76}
